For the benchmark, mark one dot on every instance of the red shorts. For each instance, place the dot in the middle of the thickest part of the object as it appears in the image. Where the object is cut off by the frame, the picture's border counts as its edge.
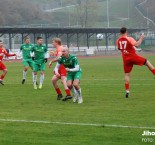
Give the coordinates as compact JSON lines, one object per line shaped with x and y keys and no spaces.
{"x":62,"y":70}
{"x":2,"y":66}
{"x":133,"y":59}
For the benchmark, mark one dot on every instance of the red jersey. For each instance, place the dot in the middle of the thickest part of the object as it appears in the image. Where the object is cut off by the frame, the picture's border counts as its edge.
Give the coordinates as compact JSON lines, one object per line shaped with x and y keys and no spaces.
{"x":58,"y":51}
{"x":4,"y":52}
{"x":126,"y":45}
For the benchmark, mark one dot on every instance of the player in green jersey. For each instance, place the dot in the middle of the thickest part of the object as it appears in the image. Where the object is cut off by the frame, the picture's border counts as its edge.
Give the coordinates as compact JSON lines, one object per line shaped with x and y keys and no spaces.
{"x":74,"y":73}
{"x":40,"y":58}
{"x":26,"y":49}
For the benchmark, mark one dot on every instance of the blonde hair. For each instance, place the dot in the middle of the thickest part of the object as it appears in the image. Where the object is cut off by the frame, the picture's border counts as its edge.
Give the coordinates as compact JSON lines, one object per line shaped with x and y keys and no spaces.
{"x":57,"y":40}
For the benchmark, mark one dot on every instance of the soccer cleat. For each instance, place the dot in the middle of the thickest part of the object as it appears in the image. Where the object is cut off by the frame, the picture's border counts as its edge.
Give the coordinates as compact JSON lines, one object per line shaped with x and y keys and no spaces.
{"x":40,"y":86}
{"x":23,"y":81}
{"x":1,"y":82}
{"x":59,"y":97}
{"x":66,"y":98}
{"x":75,"y":97}
{"x":80,"y":100}
{"x":127,"y":95}
{"x":35,"y":86}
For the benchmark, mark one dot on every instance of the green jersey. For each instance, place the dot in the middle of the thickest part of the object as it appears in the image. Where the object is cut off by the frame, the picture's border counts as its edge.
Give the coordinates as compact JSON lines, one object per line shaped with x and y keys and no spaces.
{"x":69,"y":62}
{"x":39,"y":53}
{"x":26,"y":49}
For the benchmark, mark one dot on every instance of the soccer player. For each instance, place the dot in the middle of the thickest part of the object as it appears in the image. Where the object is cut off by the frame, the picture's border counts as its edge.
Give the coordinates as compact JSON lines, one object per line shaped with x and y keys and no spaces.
{"x":62,"y":71}
{"x":40,"y":58}
{"x":74,"y":73}
{"x":2,"y":65}
{"x":127,"y":46}
{"x":26,"y":49}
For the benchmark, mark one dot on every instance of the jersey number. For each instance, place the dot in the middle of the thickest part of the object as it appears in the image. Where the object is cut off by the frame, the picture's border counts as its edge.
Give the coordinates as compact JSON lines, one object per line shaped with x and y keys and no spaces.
{"x":123,"y":44}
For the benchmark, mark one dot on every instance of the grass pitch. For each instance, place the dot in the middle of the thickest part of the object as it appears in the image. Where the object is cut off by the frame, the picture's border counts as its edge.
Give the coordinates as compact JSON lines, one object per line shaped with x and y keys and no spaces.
{"x":105,"y":118}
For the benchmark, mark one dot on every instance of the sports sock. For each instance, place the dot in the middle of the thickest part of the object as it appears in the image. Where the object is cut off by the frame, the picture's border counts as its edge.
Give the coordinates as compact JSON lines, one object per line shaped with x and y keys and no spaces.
{"x":153,"y":71}
{"x":79,"y":91}
{"x":35,"y":79}
{"x":73,"y":90}
{"x":67,"y":92}
{"x":58,"y":91}
{"x":24,"y":74}
{"x":127,"y":86}
{"x":2,"y":77}
{"x":32,"y":76}
{"x":41,"y":79}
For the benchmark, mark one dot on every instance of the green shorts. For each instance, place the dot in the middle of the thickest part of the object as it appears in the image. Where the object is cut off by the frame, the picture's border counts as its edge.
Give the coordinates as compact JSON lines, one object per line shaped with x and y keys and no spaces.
{"x":28,"y":63}
{"x":38,"y":67}
{"x":74,"y":75}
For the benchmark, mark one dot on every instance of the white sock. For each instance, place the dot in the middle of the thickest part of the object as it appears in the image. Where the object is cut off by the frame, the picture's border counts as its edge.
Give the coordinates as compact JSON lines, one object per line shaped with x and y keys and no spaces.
{"x":24,"y":74}
{"x":32,"y":76}
{"x":73,"y":90}
{"x":79,"y":92}
{"x":41,"y":79}
{"x":34,"y":79}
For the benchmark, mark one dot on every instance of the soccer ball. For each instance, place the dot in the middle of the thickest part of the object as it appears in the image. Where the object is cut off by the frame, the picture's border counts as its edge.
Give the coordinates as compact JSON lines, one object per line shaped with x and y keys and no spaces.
{"x":99,"y":36}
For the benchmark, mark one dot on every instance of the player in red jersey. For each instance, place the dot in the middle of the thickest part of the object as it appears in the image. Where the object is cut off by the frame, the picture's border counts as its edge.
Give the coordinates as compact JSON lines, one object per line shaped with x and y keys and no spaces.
{"x":2,"y":65}
{"x":62,"y":71}
{"x":127,"y":46}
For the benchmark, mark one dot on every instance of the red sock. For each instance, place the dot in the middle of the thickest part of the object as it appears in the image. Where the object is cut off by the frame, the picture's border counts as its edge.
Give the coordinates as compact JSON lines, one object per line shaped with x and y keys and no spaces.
{"x":127,"y":86}
{"x":67,"y":92}
{"x":153,"y":71}
{"x":2,"y":77}
{"x":58,"y":91}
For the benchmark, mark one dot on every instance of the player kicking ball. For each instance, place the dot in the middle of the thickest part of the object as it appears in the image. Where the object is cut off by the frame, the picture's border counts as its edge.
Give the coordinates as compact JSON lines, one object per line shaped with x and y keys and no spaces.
{"x":127,"y":46}
{"x":40,"y":58}
{"x":2,"y":65}
{"x":74,"y":73}
{"x":26,"y":49}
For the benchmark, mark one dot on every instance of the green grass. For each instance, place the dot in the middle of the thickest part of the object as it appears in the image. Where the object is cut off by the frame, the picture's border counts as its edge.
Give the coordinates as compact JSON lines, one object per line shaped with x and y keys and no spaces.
{"x":104,"y":103}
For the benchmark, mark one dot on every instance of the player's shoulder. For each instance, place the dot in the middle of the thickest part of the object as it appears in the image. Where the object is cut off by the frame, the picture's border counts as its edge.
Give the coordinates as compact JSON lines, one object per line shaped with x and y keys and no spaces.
{"x":72,"y":56}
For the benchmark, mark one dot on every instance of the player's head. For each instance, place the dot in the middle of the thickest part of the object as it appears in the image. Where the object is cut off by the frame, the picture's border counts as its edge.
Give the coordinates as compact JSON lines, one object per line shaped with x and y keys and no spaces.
{"x":56,"y":42}
{"x":39,"y":40}
{"x":27,"y":40}
{"x":65,"y":51}
{"x":123,"y":31}
{"x":1,"y":43}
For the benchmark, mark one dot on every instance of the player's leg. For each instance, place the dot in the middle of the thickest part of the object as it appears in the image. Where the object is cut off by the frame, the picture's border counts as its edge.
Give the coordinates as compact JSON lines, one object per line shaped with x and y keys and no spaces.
{"x":150,"y":66}
{"x":127,"y":84}
{"x":55,"y":78}
{"x":127,"y":69}
{"x":31,"y":65}
{"x":35,"y":70}
{"x":25,"y":63}
{"x":69,"y":84}
{"x":63,"y":80}
{"x":76,"y":82}
{"x":4,"y":69}
{"x":42,"y":68}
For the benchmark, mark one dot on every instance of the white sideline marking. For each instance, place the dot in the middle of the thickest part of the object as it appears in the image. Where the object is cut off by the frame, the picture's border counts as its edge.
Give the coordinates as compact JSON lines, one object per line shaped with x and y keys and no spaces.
{"x":72,"y":123}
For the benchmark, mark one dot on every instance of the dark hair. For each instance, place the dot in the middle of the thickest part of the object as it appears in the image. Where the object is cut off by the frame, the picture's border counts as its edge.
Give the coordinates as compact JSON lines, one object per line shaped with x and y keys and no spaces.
{"x":1,"y":41}
{"x":39,"y":37}
{"x":123,"y":30}
{"x":57,"y":40}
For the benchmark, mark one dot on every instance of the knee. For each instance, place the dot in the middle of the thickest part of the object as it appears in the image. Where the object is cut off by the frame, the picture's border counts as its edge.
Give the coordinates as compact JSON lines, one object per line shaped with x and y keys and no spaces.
{"x":75,"y":84}
{"x":5,"y":71}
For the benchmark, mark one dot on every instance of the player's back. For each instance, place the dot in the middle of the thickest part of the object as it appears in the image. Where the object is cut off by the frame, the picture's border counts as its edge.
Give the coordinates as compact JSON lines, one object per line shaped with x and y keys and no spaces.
{"x":125,"y":46}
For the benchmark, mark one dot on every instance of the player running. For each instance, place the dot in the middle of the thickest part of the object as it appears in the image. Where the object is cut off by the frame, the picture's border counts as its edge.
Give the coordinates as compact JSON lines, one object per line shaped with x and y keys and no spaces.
{"x":74,"y":73}
{"x":40,"y":58}
{"x":2,"y":65}
{"x":127,"y":46}
{"x":26,"y":49}
{"x":62,"y":71}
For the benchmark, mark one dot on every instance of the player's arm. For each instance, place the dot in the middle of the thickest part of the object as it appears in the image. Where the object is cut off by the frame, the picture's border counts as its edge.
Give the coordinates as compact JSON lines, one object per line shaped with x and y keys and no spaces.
{"x":57,"y":68}
{"x":76,"y":66}
{"x":55,"y":59}
{"x":9,"y":55}
{"x":136,"y":43}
